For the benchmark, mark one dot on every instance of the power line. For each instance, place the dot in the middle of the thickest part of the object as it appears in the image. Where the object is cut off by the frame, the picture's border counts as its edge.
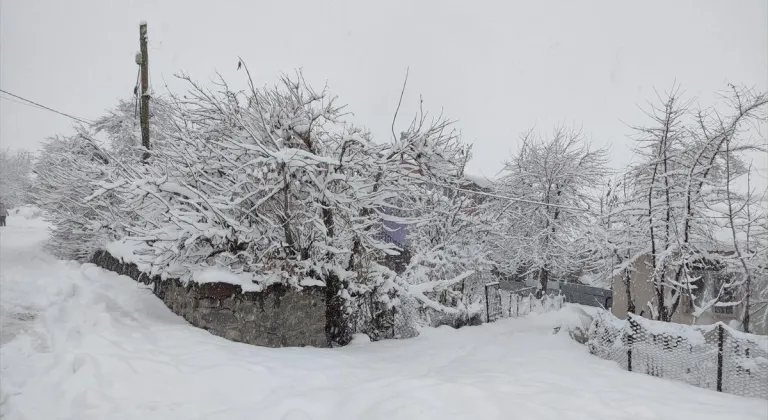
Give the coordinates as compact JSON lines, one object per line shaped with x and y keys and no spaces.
{"x":517,"y":199}
{"x":82,"y":120}
{"x":503,"y":197}
{"x":20,"y":102}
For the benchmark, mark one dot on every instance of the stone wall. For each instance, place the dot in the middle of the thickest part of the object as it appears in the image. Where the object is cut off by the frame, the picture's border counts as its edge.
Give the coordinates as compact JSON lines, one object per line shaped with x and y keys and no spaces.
{"x":279,"y":316}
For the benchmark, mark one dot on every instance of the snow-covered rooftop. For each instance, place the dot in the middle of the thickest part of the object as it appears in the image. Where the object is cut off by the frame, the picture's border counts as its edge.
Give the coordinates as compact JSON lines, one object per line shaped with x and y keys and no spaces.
{"x":480,"y":180}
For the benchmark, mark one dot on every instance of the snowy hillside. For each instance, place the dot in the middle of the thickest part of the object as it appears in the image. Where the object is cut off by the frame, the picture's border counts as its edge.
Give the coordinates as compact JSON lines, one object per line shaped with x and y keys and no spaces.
{"x":81,"y":343}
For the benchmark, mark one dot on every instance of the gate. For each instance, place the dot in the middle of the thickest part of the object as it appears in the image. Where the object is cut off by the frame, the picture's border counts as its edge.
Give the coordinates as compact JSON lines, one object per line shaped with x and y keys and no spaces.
{"x":493,"y":301}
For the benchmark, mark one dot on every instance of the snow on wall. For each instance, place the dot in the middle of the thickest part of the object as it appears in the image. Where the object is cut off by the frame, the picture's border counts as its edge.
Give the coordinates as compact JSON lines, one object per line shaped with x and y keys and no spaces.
{"x":277,"y":316}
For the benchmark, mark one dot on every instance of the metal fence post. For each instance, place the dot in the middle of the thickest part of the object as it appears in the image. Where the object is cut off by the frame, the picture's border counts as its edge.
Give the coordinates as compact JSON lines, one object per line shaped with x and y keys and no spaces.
{"x":394,"y":320}
{"x":501,"y":301}
{"x":630,"y":342}
{"x":487,"y":306}
{"x":720,"y":357}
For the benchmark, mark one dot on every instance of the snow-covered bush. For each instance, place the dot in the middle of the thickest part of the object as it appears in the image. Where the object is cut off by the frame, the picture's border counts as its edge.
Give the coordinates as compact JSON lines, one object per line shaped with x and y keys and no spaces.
{"x":274,"y":185}
{"x":65,"y":171}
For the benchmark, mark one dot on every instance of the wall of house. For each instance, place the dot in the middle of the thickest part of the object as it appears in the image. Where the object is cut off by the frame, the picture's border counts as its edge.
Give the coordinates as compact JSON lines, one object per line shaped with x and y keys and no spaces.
{"x":279,"y":316}
{"x":642,"y":293}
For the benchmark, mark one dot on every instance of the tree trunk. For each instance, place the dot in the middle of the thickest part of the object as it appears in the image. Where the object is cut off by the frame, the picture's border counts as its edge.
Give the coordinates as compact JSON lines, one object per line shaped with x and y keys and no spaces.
{"x":337,"y":327}
{"x":628,"y":284}
{"x":543,"y":282}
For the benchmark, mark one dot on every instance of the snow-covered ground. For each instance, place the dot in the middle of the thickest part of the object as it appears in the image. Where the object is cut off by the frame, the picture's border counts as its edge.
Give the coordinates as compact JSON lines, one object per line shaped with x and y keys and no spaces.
{"x":82,"y":343}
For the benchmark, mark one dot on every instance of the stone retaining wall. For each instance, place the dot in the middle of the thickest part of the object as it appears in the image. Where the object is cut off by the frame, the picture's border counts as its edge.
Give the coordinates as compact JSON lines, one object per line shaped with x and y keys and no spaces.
{"x":279,"y":316}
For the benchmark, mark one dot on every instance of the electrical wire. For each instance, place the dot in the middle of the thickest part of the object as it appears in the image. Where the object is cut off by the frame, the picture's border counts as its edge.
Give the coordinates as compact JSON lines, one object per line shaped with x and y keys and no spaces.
{"x":516,"y":199}
{"x":78,"y":119}
{"x":20,"y":102}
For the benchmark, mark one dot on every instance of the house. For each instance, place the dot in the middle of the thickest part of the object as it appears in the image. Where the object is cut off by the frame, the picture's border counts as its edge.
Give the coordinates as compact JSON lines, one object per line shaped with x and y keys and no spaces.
{"x":397,"y":233}
{"x":711,"y":277}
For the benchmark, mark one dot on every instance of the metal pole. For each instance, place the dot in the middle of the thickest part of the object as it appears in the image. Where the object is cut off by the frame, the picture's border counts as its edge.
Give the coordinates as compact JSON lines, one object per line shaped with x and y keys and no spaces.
{"x":720,"y":358}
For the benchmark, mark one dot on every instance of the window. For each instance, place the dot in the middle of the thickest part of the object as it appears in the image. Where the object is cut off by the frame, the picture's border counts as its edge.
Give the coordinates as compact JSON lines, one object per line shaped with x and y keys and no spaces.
{"x":726,"y":310}
{"x":713,"y":282}
{"x":723,"y":284}
{"x":700,"y":285}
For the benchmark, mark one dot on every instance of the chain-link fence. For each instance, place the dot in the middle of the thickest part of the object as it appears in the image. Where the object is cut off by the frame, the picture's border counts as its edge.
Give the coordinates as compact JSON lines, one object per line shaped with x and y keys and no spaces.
{"x":716,"y":356}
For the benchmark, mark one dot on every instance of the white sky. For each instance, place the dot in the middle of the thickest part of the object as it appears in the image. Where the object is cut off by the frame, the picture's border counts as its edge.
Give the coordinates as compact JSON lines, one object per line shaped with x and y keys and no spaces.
{"x":497,"y":67}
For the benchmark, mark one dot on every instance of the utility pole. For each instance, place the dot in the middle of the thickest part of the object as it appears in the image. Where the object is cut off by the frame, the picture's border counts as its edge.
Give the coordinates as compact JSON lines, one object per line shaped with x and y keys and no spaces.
{"x":144,"y":113}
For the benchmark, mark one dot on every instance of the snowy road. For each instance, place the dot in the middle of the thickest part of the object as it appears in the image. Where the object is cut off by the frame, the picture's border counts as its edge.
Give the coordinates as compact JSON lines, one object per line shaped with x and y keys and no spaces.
{"x":81,"y":343}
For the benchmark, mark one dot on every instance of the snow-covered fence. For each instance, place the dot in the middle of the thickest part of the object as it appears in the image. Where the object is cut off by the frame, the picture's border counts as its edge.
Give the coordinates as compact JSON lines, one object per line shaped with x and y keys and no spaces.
{"x":714,"y":356}
{"x":505,"y":304}
{"x":519,"y":305}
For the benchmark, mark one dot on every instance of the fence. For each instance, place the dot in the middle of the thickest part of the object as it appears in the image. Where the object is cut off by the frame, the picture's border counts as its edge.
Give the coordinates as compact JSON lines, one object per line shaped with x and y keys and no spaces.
{"x":715,"y":356}
{"x":512,"y":304}
{"x":572,"y":292}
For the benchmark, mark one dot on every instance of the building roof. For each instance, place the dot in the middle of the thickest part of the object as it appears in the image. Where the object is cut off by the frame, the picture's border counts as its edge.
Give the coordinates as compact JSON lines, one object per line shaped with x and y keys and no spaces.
{"x":480,"y":180}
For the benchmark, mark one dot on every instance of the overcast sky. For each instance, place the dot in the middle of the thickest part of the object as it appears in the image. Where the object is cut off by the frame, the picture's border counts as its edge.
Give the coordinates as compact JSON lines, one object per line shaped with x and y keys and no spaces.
{"x":499,"y":68}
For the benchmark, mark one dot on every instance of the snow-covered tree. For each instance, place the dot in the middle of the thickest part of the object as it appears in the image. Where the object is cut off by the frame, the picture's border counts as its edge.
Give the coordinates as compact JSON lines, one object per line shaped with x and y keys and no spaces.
{"x":69,"y":168}
{"x":449,"y":237}
{"x":15,"y":177}
{"x":551,"y":185}
{"x":273,"y":184}
{"x":122,"y":129}
{"x":624,"y":234}
{"x":743,"y":212}
{"x":688,"y":161}
{"x":65,"y":171}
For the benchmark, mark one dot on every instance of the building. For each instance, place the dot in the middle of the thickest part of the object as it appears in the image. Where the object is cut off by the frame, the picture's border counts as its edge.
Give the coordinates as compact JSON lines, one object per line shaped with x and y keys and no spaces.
{"x":711,"y":277}
{"x":397,"y":233}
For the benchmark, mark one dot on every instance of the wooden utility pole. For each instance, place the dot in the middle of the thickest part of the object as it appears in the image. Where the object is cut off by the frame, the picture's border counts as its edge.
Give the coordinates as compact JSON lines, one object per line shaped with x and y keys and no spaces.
{"x":144,"y":113}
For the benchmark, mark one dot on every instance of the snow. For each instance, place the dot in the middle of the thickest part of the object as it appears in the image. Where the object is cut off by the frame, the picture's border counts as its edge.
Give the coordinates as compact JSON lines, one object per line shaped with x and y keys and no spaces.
{"x":307,"y":282}
{"x":222,"y":275}
{"x":479,"y":180}
{"x":124,"y":250}
{"x":27,"y":212}
{"x":127,"y":251}
{"x":82,"y":343}
{"x":693,"y":334}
